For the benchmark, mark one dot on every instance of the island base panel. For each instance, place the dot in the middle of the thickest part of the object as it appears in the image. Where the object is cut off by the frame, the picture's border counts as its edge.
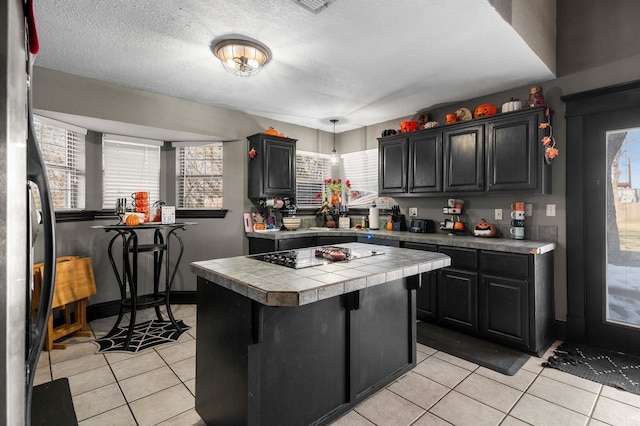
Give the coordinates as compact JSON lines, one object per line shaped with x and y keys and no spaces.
{"x":299,"y":365}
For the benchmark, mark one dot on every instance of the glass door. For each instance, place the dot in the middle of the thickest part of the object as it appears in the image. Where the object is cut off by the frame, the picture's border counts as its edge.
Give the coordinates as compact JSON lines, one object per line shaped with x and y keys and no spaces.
{"x":622,"y":293}
{"x":612,"y":229}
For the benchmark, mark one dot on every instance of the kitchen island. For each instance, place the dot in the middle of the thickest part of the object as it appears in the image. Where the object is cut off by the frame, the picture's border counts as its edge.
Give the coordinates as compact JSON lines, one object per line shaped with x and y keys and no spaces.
{"x":283,"y":346}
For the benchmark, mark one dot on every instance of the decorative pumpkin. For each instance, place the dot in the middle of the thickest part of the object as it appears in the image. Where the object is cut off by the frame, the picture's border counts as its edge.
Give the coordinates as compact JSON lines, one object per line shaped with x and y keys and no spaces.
{"x":271,"y":131}
{"x":463,"y":114}
{"x":132,"y":220}
{"x":484,"y":110}
{"x":388,"y":132}
{"x":331,"y":224}
{"x":458,"y":226}
{"x":484,"y":229}
{"x":511,"y":105}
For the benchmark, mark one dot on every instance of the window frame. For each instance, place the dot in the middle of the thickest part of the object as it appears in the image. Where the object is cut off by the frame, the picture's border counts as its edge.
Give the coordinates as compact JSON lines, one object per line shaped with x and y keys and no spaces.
{"x":178,"y":146}
{"x":74,"y":167}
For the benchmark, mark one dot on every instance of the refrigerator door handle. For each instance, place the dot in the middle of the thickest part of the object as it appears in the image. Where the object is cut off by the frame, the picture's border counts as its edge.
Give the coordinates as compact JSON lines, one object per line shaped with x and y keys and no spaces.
{"x":36,"y":173}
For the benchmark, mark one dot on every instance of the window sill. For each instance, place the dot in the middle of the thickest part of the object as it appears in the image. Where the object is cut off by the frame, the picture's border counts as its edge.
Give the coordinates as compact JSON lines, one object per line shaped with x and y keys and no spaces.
{"x":89,"y":215}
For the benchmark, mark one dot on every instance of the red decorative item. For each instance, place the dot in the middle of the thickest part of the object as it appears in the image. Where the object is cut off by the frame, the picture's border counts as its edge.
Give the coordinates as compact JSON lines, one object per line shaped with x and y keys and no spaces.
{"x":252,"y":153}
{"x":535,"y":96}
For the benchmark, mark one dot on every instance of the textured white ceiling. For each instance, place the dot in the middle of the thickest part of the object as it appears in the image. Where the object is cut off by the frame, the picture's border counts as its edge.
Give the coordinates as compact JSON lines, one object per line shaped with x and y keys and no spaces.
{"x":361,"y":61}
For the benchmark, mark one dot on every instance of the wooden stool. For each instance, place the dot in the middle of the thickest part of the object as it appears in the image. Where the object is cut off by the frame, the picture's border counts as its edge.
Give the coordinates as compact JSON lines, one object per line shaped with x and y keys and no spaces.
{"x":75,"y":283}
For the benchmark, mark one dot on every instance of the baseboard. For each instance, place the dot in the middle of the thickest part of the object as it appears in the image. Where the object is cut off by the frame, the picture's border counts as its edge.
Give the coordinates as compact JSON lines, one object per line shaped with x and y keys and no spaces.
{"x":108,"y":309}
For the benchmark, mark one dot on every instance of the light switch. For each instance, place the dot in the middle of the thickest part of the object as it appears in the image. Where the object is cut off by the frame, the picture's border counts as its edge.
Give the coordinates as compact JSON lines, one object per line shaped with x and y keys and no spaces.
{"x":551,"y":209}
{"x":498,"y":214}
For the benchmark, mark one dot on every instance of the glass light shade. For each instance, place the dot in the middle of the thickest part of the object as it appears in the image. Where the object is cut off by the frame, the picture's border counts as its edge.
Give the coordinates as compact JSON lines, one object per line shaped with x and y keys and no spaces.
{"x":334,"y":157}
{"x":240,"y":57}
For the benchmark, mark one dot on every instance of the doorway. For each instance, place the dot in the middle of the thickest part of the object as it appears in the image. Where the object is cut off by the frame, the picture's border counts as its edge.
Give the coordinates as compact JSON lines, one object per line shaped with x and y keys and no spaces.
{"x":603,"y":217}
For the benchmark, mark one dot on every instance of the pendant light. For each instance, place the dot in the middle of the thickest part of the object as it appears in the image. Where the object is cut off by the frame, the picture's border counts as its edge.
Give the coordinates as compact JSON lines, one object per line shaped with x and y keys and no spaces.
{"x":334,"y":154}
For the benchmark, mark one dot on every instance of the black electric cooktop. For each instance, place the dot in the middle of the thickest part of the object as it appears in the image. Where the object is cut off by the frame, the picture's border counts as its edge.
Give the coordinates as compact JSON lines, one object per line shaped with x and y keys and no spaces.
{"x":304,"y":258}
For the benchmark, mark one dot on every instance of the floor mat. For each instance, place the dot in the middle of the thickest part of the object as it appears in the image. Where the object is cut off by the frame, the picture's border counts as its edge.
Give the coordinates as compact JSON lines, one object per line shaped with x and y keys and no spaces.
{"x":610,"y":368}
{"x":145,"y":335}
{"x":491,"y":355}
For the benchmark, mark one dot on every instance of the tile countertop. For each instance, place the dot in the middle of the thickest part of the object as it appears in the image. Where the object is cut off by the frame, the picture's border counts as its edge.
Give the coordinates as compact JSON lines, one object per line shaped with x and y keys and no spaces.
{"x":275,"y":285}
{"x":442,"y":239}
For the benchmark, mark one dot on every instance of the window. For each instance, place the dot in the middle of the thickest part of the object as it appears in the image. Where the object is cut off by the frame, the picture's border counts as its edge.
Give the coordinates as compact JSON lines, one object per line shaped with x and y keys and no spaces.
{"x":62,"y":148}
{"x":129,"y":165}
{"x":361,"y":169}
{"x":199,"y":175}
{"x":312,"y":169}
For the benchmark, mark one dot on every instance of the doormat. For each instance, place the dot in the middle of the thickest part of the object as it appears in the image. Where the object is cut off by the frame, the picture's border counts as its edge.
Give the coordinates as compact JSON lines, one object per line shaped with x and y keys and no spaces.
{"x":491,"y":355}
{"x":145,"y":335}
{"x":604,"y":366}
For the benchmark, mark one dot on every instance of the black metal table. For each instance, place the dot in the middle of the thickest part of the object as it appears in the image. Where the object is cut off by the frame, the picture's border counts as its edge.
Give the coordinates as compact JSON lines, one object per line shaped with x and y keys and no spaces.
{"x":127,"y":276}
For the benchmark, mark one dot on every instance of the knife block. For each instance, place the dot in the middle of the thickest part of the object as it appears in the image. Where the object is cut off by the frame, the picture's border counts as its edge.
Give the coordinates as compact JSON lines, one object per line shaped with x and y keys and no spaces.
{"x":399,"y":223}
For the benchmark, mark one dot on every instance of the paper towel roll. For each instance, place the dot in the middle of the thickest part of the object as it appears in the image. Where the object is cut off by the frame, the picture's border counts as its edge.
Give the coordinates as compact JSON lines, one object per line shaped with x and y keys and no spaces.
{"x":374,"y":218}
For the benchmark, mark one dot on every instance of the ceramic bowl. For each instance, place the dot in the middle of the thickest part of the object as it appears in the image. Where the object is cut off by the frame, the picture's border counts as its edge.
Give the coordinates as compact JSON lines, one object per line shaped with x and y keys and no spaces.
{"x":291,"y":223}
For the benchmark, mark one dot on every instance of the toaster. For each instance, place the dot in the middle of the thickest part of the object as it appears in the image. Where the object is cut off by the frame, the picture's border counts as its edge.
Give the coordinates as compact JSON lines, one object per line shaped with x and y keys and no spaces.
{"x":422,"y":226}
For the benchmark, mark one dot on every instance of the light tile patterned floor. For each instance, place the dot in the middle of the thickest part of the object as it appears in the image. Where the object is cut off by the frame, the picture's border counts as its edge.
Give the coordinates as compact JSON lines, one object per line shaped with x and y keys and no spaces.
{"x":157,"y":386}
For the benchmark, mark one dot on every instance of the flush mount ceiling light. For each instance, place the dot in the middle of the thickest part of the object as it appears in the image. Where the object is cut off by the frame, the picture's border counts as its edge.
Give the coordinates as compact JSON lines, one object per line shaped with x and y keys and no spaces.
{"x":334,"y":153}
{"x":241,"y":57}
{"x":314,"y":6}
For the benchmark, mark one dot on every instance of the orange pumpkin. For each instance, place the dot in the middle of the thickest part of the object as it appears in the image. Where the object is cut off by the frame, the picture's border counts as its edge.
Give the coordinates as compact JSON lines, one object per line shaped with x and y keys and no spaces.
{"x":484,"y":110}
{"x":132,"y":220}
{"x":484,"y":229}
{"x":271,"y":131}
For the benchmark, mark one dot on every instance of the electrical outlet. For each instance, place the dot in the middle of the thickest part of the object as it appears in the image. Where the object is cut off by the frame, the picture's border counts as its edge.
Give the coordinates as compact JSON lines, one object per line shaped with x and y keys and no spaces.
{"x":528,"y":209}
{"x":551,"y":209}
{"x":413,"y":211}
{"x":498,"y":214}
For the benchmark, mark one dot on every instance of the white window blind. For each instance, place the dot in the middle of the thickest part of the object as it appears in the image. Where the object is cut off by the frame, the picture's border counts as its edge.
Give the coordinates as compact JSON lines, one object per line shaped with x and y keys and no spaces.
{"x":361,"y":169}
{"x":129,"y":165}
{"x":63,"y":150}
{"x":199,"y":176}
{"x":312,"y":169}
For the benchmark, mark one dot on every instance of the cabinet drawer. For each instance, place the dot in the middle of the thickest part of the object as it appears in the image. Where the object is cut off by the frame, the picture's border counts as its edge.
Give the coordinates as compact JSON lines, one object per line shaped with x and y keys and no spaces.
{"x":461,"y":258}
{"x":504,"y":264}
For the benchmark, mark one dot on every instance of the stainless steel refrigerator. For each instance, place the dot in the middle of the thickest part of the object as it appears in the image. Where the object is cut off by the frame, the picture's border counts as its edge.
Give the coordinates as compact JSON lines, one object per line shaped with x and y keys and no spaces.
{"x":21,"y":165}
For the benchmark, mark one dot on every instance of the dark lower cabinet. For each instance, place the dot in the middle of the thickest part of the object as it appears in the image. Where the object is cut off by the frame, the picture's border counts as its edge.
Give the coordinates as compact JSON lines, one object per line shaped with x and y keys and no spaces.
{"x":427,"y":293}
{"x":458,"y":298}
{"x":261,"y":245}
{"x":305,"y":365}
{"x":504,"y":307}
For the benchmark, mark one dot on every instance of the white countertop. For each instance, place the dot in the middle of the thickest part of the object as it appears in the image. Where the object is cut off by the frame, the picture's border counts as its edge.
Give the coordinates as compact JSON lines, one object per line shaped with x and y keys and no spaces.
{"x":275,"y":285}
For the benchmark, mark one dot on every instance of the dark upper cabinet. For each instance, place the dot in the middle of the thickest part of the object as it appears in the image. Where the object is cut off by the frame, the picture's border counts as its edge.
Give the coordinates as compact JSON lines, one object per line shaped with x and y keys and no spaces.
{"x":515,"y":154}
{"x":501,"y":153}
{"x":272,"y":172}
{"x":425,"y":162}
{"x":392,"y":165}
{"x":464,"y":159}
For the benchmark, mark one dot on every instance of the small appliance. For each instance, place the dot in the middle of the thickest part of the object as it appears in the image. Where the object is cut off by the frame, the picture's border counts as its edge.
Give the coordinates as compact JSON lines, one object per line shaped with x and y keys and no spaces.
{"x":422,"y":226}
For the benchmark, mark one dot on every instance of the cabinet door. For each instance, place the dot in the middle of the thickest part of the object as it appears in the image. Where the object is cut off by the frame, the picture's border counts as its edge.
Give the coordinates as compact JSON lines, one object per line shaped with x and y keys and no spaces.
{"x":392,"y":165}
{"x":504,"y":310}
{"x":458,"y":298}
{"x":514,"y":154}
{"x":425,"y":163}
{"x":464,"y":159}
{"x":279,"y":164}
{"x":427,"y":296}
